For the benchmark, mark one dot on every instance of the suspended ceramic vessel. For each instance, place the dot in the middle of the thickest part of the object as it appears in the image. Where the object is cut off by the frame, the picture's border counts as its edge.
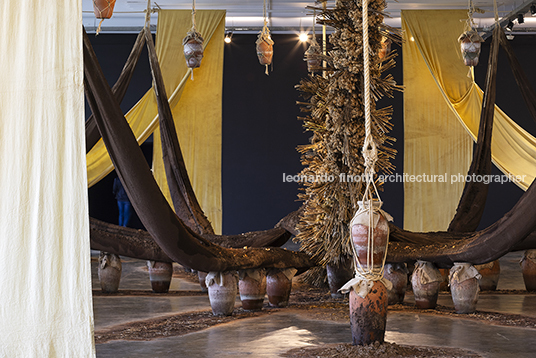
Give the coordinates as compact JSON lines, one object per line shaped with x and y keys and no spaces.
{"x":252,"y":287}
{"x":103,"y":9}
{"x":222,"y":290}
{"x":338,"y":274}
{"x":368,"y":315}
{"x":397,"y":273}
{"x":109,"y":271}
{"x":470,"y":44}
{"x":528,"y":266}
{"x":425,"y":280}
{"x":385,"y":49}
{"x":202,"y":276}
{"x":160,"y":274}
{"x":313,"y":56}
{"x":464,"y":287}
{"x":193,"y":49}
{"x":279,"y":285}
{"x":490,"y":275}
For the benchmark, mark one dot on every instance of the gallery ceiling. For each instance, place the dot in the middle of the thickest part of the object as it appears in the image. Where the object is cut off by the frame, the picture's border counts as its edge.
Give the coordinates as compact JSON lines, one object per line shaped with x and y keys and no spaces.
{"x":288,"y":16}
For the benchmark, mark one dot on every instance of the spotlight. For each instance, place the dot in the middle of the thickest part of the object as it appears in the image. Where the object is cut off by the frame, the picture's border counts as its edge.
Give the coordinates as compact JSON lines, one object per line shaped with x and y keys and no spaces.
{"x":510,"y":37}
{"x":510,"y":25}
{"x":228,"y":37}
{"x":533,"y":9}
{"x":303,"y":37}
{"x":520,"y":19}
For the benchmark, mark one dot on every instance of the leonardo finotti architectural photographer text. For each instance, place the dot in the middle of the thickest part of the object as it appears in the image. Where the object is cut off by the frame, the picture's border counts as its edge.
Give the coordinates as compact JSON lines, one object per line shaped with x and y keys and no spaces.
{"x":405,"y":178}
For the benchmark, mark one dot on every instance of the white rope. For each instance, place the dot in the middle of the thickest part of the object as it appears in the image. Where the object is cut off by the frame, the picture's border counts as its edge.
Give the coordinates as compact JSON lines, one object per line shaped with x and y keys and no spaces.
{"x":193,"y":15}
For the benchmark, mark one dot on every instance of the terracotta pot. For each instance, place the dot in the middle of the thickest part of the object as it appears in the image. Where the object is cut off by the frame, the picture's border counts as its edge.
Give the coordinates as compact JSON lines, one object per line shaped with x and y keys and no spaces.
{"x":360,"y":233}
{"x":528,"y":266}
{"x":425,"y":280}
{"x":368,"y":315}
{"x":385,"y":49}
{"x":397,"y":273}
{"x":202,"y":276}
{"x":470,"y":45}
{"x":313,"y":57}
{"x":464,"y":287}
{"x":103,"y":9}
{"x":444,"y":285}
{"x":160,"y":274}
{"x":490,"y":275}
{"x":278,"y":287}
{"x":222,"y":290}
{"x":338,"y":275}
{"x":252,"y":287}
{"x":265,"y":52}
{"x":193,"y":52}
{"x":109,"y":271}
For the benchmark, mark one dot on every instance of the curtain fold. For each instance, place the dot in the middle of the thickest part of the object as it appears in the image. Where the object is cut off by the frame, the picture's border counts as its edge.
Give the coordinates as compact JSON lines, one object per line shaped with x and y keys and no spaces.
{"x":45,"y":301}
{"x":436,"y":51}
{"x":202,"y":155}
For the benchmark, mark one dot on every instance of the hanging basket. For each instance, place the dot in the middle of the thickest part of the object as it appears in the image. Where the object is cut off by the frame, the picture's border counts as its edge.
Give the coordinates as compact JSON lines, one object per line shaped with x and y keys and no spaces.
{"x":470,"y":44}
{"x":103,"y":9}
{"x":265,"y":48}
{"x":193,"y":49}
{"x":313,"y":57}
{"x":385,"y":49}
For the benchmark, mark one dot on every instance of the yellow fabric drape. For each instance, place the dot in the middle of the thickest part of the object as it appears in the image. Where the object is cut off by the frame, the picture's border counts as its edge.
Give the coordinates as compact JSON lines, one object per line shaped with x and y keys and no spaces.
{"x":45,"y":296}
{"x":434,"y":142}
{"x":197,"y":115}
{"x":435,"y":34}
{"x":143,"y":117}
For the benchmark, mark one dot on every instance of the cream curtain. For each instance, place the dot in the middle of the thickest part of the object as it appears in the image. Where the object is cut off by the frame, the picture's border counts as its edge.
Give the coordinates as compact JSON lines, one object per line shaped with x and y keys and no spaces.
{"x":197,"y":115}
{"x":45,"y":300}
{"x":436,"y":51}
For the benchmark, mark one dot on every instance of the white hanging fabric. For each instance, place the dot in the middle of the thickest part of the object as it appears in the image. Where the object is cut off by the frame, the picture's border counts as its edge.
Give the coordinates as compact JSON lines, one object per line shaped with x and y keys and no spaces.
{"x":45,"y":301}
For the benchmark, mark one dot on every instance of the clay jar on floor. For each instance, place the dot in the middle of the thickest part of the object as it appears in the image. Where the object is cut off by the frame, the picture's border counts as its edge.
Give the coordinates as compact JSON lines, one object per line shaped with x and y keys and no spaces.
{"x":202,"y":276}
{"x":490,"y":275}
{"x":368,"y":315}
{"x":397,"y":273}
{"x":109,"y":271}
{"x":338,"y":274}
{"x":279,"y":285}
{"x":252,"y":287}
{"x":222,"y":290}
{"x":425,"y":281}
{"x":528,"y":266}
{"x":160,"y":274}
{"x":464,"y":287}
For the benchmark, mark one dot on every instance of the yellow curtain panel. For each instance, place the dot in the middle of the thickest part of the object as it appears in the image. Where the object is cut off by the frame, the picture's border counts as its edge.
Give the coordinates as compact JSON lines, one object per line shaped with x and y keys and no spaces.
{"x":45,"y":296}
{"x":196,"y":106}
{"x":437,"y":51}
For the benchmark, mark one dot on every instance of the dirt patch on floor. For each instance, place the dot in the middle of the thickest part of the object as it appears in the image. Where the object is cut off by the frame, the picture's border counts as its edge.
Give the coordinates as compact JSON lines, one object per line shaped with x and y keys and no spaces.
{"x":386,"y":350}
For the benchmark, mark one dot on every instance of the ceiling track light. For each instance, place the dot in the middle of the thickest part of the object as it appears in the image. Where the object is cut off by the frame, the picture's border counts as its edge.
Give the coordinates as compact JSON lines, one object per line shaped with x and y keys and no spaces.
{"x":533,"y":9}
{"x":510,"y":25}
{"x":228,"y":37}
{"x":520,"y":18}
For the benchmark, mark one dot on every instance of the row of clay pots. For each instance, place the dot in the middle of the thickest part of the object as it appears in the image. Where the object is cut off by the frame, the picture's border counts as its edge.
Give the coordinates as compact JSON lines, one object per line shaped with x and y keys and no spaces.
{"x":253,"y":286}
{"x":490,"y":273}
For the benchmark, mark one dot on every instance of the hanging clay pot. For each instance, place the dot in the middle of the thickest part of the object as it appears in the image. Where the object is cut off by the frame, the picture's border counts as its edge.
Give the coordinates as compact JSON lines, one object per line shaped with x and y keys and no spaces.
{"x":470,"y":44}
{"x":490,"y":275}
{"x":265,"y":49}
{"x":528,"y":266}
{"x":103,"y":9}
{"x":109,"y":272}
{"x":160,"y":274}
{"x":464,"y":287}
{"x":397,"y":273}
{"x":252,"y":287}
{"x":359,"y":228}
{"x":385,"y":49}
{"x":222,"y":290}
{"x":338,"y":274}
{"x":279,"y":285}
{"x":425,"y":280}
{"x":444,"y":285}
{"x":193,"y":49}
{"x":313,"y":56}
{"x":202,"y":277}
{"x":368,"y":315}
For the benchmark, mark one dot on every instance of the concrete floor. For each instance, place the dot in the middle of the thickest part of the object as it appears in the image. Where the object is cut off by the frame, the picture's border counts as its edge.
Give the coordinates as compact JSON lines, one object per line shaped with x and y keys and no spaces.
{"x":269,"y":336}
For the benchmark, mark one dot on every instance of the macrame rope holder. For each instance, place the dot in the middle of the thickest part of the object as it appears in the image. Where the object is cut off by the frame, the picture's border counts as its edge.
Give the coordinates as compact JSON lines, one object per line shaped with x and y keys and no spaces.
{"x":265,"y":32}
{"x":370,"y":156}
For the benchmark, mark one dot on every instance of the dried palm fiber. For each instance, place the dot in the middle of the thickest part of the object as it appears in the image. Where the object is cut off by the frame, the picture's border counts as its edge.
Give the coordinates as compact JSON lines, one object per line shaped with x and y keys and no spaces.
{"x":180,"y":243}
{"x":333,"y":110}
